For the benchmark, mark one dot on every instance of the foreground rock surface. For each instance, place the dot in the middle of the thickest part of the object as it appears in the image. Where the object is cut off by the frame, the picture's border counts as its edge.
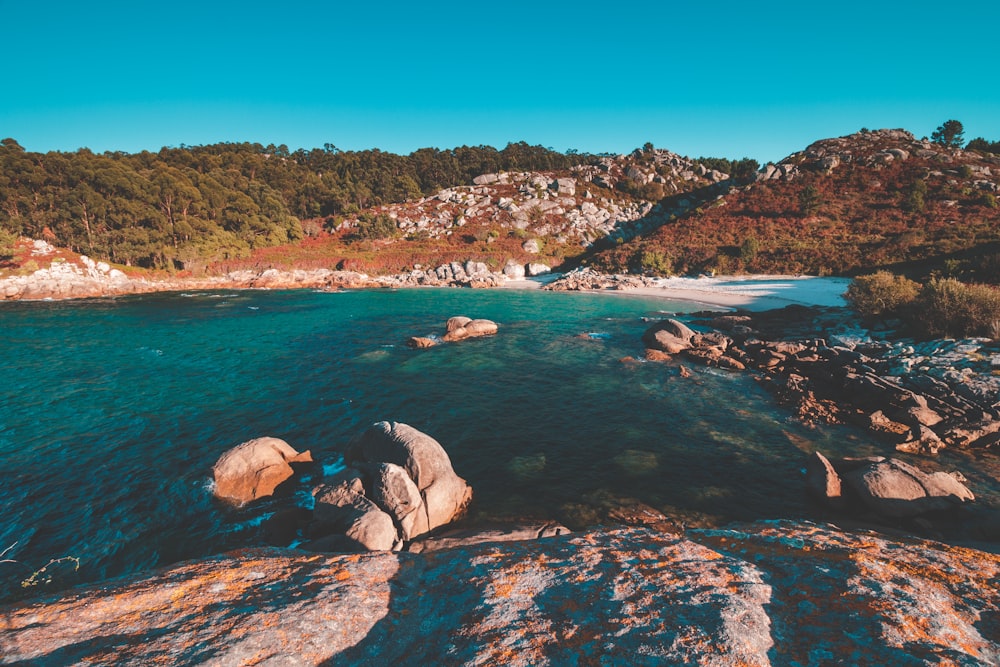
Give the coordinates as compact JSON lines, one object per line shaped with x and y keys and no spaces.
{"x":773,"y":593}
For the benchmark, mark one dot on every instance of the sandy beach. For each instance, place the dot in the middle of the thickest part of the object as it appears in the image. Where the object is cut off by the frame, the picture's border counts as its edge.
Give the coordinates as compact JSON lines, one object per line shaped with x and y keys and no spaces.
{"x":755,"y":293}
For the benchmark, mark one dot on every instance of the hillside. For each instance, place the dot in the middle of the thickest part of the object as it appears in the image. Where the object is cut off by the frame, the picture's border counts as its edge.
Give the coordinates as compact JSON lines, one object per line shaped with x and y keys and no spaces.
{"x":875,"y":199}
{"x":211,"y":210}
{"x":548,"y":217}
{"x":843,"y":206}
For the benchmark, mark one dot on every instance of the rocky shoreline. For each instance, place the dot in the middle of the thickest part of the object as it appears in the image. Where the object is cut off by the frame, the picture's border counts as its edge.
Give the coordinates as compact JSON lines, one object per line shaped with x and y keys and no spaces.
{"x":769,"y":593}
{"x":782,"y":593}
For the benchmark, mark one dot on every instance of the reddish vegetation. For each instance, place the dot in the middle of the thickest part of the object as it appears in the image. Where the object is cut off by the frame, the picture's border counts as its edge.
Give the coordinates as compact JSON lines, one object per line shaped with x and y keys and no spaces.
{"x":854,"y":216}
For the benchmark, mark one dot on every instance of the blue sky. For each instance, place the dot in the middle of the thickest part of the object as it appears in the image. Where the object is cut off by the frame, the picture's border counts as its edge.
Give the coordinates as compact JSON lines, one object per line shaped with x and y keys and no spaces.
{"x":718,"y":78}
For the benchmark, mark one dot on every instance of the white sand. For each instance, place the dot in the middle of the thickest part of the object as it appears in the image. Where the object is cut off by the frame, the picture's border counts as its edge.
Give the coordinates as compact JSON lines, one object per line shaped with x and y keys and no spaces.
{"x":752,"y":292}
{"x":747,"y":292}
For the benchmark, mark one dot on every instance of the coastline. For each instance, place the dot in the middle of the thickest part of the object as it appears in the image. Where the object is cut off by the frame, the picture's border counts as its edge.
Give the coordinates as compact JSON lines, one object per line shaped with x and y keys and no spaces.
{"x":66,"y":281}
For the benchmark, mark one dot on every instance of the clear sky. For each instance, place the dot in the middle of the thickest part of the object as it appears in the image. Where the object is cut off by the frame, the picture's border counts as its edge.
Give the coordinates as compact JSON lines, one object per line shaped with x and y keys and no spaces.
{"x":716,"y":78}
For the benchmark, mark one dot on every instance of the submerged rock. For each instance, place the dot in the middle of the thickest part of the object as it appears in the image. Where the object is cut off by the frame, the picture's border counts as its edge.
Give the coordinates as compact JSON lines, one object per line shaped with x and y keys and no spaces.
{"x":255,"y":468}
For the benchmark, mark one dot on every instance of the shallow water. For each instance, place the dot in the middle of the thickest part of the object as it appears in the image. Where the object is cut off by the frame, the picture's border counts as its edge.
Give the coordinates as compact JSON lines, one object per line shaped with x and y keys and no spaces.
{"x":112,"y":413}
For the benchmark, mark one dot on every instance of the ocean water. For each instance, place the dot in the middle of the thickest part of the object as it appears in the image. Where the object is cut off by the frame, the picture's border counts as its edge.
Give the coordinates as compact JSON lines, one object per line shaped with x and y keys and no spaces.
{"x":112,"y":413}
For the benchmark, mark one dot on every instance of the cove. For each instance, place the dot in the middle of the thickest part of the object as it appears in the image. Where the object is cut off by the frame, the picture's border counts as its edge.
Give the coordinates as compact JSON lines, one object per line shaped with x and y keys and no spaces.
{"x":112,"y":412}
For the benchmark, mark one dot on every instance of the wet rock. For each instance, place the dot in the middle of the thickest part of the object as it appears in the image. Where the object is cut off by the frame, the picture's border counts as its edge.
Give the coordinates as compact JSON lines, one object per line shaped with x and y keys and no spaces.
{"x":255,"y":468}
{"x":419,"y":342}
{"x":670,"y":336}
{"x":822,"y":480}
{"x":482,"y":535}
{"x":460,"y":328}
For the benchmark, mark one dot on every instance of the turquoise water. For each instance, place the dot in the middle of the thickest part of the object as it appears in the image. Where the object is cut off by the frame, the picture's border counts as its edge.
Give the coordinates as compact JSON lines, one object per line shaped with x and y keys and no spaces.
{"x":112,"y":413}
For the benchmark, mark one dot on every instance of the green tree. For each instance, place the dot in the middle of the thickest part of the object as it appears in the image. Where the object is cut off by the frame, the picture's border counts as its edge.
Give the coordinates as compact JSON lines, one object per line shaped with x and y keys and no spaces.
{"x":373,"y":227}
{"x":809,"y":200}
{"x":7,"y":243}
{"x":656,"y":262}
{"x":915,"y":201}
{"x":749,"y":249}
{"x":950,"y":133}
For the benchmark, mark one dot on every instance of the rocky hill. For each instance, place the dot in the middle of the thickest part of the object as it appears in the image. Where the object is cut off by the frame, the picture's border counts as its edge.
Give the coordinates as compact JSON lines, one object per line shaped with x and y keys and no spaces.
{"x":547,"y":217}
{"x":843,"y":206}
{"x":875,"y":199}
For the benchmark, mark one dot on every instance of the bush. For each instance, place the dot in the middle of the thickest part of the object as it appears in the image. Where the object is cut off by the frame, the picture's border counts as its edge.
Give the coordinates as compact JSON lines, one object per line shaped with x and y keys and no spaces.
{"x":656,"y":262}
{"x":881,"y":294}
{"x":948,"y":307}
{"x":8,"y":242}
{"x":376,"y":227}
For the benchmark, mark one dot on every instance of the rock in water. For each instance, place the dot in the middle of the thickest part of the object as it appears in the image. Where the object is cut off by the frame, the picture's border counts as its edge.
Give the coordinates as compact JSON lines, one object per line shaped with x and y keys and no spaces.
{"x":668,"y":336}
{"x":888,"y":487}
{"x":353,"y":521}
{"x":255,"y":468}
{"x":445,"y":495}
{"x":460,"y":328}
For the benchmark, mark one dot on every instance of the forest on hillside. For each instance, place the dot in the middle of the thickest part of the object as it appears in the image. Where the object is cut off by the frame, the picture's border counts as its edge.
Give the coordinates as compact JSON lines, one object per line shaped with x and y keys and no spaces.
{"x":167,"y":209}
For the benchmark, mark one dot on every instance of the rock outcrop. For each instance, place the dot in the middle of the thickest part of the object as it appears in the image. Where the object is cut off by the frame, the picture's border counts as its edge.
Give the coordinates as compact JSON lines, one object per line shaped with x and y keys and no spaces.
{"x":888,"y":487}
{"x":428,"y":485}
{"x":255,"y":468}
{"x":920,"y":401}
{"x":765,"y":594}
{"x":457,"y":328}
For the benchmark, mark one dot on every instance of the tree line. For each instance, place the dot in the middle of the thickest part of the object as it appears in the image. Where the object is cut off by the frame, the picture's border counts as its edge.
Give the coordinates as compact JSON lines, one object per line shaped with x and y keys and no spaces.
{"x":183,"y":206}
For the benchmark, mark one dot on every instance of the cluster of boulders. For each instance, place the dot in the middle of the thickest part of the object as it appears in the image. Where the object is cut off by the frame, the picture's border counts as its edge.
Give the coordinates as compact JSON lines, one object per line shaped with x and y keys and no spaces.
{"x":889,"y":488}
{"x":398,"y":485}
{"x":660,"y":166}
{"x":558,"y":207}
{"x":834,"y":382}
{"x":879,"y":148}
{"x":457,"y":328}
{"x":63,"y":279}
{"x":465,"y":274}
{"x":586,"y":278}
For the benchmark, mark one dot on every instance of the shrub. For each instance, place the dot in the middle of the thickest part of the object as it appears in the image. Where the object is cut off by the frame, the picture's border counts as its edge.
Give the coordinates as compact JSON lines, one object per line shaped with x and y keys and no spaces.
{"x":915,"y":199}
{"x":948,"y":307}
{"x":880,"y":294}
{"x":376,"y":227}
{"x":656,"y":262}
{"x":749,"y":249}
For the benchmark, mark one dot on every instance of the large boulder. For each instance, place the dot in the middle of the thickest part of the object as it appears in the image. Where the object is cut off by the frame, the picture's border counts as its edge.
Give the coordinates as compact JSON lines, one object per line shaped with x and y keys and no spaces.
{"x":670,"y":336}
{"x":461,"y":327}
{"x":888,"y":487}
{"x":392,"y":489}
{"x":445,"y":495}
{"x":343,"y":509}
{"x":771,"y":593}
{"x":255,"y":468}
